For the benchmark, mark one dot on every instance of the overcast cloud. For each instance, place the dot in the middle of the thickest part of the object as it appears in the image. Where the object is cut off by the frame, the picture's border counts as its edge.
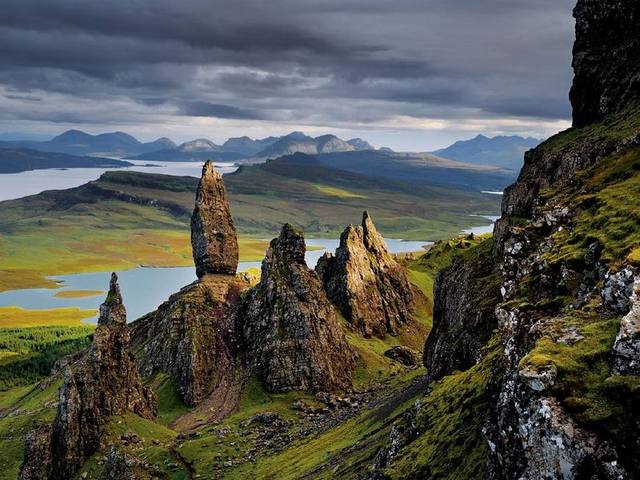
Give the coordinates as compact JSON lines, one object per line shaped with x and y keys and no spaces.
{"x":411,"y":74}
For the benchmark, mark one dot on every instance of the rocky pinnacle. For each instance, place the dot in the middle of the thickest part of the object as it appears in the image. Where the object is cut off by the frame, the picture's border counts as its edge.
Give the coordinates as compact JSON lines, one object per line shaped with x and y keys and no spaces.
{"x":213,"y":234}
{"x":369,"y":287}
{"x":112,"y":311}
{"x":101,"y":383}
{"x":290,"y":328}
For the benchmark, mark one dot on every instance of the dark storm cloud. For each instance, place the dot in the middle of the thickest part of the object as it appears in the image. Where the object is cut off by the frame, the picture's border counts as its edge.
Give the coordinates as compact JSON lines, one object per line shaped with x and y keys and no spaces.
{"x":205,"y":109}
{"x":292,"y":59}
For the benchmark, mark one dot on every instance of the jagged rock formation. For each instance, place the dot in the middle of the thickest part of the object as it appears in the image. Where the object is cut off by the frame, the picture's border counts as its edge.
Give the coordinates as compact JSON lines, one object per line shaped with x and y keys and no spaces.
{"x":562,"y":278}
{"x":606,"y":59}
{"x":192,"y":338}
{"x":102,"y":383}
{"x":291,"y":331}
{"x":371,"y":290}
{"x":213,"y":234}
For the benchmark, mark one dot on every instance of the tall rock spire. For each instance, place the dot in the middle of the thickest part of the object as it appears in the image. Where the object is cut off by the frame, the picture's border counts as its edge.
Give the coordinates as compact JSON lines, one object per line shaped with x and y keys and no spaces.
{"x":112,"y":311}
{"x":213,"y":234}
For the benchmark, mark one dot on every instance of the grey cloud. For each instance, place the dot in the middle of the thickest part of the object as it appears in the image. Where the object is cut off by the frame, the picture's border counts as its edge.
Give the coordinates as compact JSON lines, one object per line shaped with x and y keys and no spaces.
{"x":322,"y":61}
{"x":205,"y":109}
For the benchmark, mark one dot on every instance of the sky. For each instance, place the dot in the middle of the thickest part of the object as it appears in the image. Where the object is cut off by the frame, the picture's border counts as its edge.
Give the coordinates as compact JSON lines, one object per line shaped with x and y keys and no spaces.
{"x":413,"y":75}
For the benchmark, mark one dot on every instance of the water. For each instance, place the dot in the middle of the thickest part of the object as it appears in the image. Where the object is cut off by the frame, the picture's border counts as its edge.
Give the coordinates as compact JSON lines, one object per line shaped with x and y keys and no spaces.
{"x":17,"y":185}
{"x":481,"y":230}
{"x":145,"y":288}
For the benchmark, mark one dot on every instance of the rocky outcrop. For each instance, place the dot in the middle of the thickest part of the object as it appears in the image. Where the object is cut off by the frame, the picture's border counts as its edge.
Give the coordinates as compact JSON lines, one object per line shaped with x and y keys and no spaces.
{"x":118,"y":466}
{"x":213,"y":234}
{"x":626,"y":349}
{"x":403,"y":355}
{"x":533,"y":433}
{"x":606,"y":59}
{"x":102,"y":383}
{"x":465,"y":297}
{"x":290,"y":328}
{"x":548,"y":299}
{"x":192,"y":338}
{"x":369,"y":287}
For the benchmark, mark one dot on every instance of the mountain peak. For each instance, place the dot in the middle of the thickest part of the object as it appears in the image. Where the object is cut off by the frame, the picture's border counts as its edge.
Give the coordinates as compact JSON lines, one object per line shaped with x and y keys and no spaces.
{"x":500,"y":151}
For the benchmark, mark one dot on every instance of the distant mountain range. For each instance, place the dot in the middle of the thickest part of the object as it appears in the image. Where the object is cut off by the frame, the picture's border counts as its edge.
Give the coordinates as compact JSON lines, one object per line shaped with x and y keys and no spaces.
{"x":261,"y":149}
{"x":504,"y":152}
{"x":15,"y":160}
{"x":416,"y":168}
{"x":120,"y":144}
{"x":76,"y":142}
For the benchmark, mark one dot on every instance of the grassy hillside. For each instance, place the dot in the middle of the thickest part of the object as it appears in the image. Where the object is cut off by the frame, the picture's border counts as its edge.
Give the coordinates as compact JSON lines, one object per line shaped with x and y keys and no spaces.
{"x":420,"y":168}
{"x":126,"y":219}
{"x":318,"y":443}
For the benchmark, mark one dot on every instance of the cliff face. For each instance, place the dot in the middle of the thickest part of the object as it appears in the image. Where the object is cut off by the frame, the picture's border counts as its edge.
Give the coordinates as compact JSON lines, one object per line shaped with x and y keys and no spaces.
{"x":102,"y":383}
{"x":368,"y":286}
{"x":463,"y":318}
{"x":213,"y":234}
{"x":606,"y":59}
{"x":291,"y":331}
{"x":565,"y":258}
{"x":191,"y":338}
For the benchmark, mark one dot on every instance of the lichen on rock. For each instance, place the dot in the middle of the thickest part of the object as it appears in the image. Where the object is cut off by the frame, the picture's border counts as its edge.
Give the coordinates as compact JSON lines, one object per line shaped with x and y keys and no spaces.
{"x":626,"y":349}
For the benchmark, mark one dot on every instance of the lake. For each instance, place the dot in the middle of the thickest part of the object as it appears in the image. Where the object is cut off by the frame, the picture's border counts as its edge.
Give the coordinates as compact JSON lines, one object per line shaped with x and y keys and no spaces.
{"x":17,"y":185}
{"x":144,"y":289}
{"x":481,"y":230}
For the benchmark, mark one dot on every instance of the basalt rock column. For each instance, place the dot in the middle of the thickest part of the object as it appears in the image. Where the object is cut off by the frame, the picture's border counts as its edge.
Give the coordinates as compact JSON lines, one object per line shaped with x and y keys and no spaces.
{"x":213,"y":234}
{"x":366,"y":283}
{"x":102,"y":383}
{"x":290,"y":329}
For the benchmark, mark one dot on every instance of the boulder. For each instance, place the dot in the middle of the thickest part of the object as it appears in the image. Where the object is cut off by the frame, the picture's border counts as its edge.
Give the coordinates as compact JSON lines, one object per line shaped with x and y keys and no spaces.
{"x":403,"y":355}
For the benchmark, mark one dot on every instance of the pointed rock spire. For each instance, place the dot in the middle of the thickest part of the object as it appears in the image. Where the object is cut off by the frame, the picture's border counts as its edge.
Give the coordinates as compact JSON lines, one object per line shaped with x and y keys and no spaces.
{"x":213,"y":234}
{"x":102,"y":383}
{"x":290,"y":328}
{"x":112,"y":311}
{"x":364,"y":281}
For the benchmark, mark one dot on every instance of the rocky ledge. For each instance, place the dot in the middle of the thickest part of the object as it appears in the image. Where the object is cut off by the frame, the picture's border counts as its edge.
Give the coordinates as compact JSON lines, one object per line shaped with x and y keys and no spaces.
{"x":100,"y":384}
{"x":369,"y":287}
